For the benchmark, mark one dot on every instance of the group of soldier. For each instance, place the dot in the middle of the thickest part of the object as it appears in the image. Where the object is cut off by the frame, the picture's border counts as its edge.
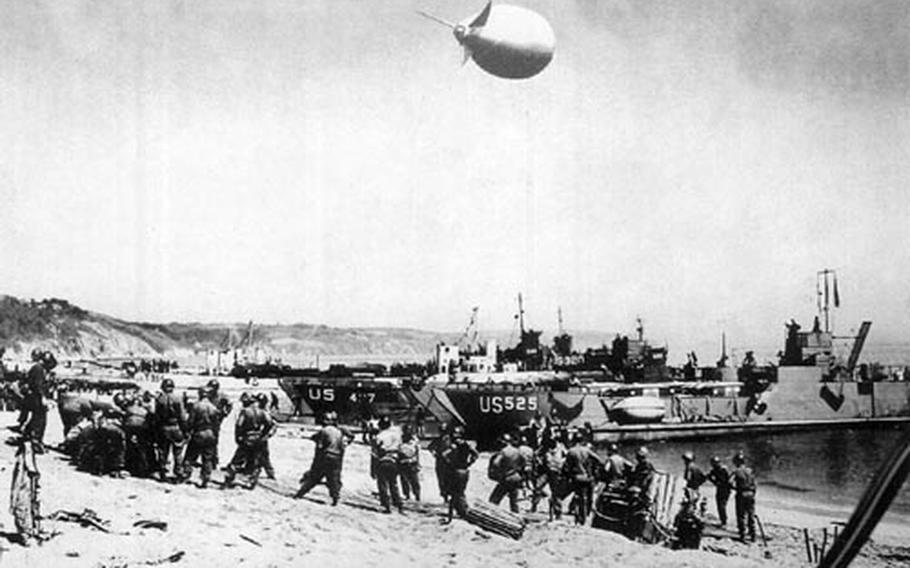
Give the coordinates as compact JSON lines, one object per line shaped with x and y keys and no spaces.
{"x":563,"y":463}
{"x":165,"y":436}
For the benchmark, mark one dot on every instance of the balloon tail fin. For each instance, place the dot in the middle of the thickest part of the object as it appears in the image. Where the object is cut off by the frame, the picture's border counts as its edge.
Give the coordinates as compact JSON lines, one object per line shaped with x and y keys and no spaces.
{"x":481,"y":19}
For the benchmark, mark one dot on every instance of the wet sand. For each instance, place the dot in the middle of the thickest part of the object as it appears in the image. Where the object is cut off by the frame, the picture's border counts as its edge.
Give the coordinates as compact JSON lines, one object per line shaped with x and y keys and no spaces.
{"x":265,"y":527}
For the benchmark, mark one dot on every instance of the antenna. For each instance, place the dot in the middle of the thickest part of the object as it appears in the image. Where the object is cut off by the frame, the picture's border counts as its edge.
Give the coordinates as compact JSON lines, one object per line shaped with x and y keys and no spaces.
{"x":436,"y":19}
{"x":521,"y":316}
{"x":559,"y":316}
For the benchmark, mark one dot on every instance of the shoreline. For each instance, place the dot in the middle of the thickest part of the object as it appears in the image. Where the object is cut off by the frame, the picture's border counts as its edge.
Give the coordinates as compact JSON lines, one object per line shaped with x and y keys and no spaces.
{"x":264,"y":527}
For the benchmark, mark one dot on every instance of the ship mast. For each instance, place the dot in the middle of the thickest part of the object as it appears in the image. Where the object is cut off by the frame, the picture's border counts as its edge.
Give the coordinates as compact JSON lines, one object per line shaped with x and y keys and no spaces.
{"x":824,"y":296}
{"x":521,"y":316}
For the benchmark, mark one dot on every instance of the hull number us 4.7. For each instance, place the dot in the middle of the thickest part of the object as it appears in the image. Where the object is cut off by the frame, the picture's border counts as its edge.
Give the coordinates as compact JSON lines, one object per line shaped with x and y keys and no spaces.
{"x":329,"y":395}
{"x":507,"y":403}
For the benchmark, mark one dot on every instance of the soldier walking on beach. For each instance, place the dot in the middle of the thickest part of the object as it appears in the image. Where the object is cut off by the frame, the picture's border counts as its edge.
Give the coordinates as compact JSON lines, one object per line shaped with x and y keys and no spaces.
{"x":170,"y":419}
{"x":327,"y":459}
{"x":744,"y":484}
{"x":458,"y":458}
{"x":384,"y":464}
{"x":720,"y":477}
{"x":409,"y":464}
{"x":507,"y":469}
{"x":203,"y":423}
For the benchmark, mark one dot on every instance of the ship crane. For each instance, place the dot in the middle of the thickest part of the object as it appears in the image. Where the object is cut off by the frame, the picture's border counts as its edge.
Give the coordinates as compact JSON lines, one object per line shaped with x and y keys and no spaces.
{"x":469,"y":338}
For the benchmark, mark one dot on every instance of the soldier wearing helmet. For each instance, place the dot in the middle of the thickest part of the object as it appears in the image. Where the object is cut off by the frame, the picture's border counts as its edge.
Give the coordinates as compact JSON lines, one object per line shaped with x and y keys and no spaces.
{"x":264,"y":453}
{"x":33,"y":413}
{"x":743,"y":481}
{"x":720,"y":477}
{"x":224,"y":406}
{"x":617,"y":467}
{"x":328,"y":458}
{"x":252,"y":430}
{"x":507,"y":468}
{"x":694,"y":476}
{"x":458,"y":457}
{"x":204,"y":421}
{"x":170,"y":421}
{"x":140,"y":447}
{"x":643,"y":473}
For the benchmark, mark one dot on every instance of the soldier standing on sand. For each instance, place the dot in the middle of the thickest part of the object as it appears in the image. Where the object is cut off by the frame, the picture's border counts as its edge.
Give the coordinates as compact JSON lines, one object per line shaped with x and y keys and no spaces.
{"x":251,"y":429}
{"x":720,"y":477}
{"x":265,"y":454}
{"x":384,"y":464}
{"x":438,"y":447}
{"x":140,"y":452}
{"x":458,"y":457}
{"x":695,"y":478}
{"x":744,"y":483}
{"x":170,"y":419}
{"x":224,"y":407}
{"x":409,"y":464}
{"x":33,"y":418}
{"x":203,"y":423}
{"x":580,"y":469}
{"x":327,"y":459}
{"x":507,"y":469}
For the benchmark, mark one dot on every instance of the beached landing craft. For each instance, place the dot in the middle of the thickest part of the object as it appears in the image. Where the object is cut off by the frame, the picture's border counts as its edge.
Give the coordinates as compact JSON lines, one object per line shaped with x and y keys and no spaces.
{"x":510,"y":42}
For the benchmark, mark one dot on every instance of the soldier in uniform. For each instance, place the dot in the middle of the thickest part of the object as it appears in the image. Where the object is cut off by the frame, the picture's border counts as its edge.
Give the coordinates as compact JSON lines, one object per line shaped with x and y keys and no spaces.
{"x":744,"y":483}
{"x":617,"y":467}
{"x":224,"y":406}
{"x":140,"y":451}
{"x":458,"y":458}
{"x":170,"y":420}
{"x":384,"y":464}
{"x":328,"y":458}
{"x":33,"y":418}
{"x":695,"y":478}
{"x":265,"y":454}
{"x":507,"y":468}
{"x":580,"y":468}
{"x":409,"y":464}
{"x":251,"y":431}
{"x":437,"y":447}
{"x":202,"y":427}
{"x":720,"y":477}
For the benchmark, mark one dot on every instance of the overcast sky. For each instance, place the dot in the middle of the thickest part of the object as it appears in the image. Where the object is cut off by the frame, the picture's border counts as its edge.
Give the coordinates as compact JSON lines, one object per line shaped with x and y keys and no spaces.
{"x":691,"y":162}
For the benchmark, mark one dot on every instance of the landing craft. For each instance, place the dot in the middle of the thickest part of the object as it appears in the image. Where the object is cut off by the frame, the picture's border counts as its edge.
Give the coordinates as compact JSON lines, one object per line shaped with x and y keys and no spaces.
{"x":507,"y":41}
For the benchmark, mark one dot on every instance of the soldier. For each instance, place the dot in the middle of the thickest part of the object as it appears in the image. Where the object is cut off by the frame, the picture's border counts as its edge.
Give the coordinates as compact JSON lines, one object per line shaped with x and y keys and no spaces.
{"x":744,"y":483}
{"x":140,"y":451}
{"x":33,"y":418}
{"x":720,"y":477}
{"x":458,"y":458}
{"x":526,"y":449}
{"x":552,"y":460}
{"x":438,"y":447}
{"x":618,"y":468}
{"x":384,"y":464}
{"x":580,"y":468}
{"x":409,"y":464}
{"x":687,"y":524}
{"x":250,"y":432}
{"x":203,"y":423}
{"x":264,"y":453}
{"x":507,"y":469}
{"x":643,"y":473}
{"x":170,"y":419}
{"x":224,"y":406}
{"x":327,"y":459}
{"x":695,"y":478}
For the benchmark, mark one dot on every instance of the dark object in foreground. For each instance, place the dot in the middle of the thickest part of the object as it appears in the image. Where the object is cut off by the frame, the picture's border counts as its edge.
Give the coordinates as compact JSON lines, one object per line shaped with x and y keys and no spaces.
{"x":495,"y":519}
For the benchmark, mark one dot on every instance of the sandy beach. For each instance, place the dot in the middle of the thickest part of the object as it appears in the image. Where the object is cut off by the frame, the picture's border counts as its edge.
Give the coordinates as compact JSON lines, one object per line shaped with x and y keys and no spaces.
{"x":265,"y":527}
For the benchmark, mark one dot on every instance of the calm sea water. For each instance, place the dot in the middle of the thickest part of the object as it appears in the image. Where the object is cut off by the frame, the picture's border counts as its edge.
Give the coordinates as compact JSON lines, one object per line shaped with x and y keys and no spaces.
{"x":825,"y":468}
